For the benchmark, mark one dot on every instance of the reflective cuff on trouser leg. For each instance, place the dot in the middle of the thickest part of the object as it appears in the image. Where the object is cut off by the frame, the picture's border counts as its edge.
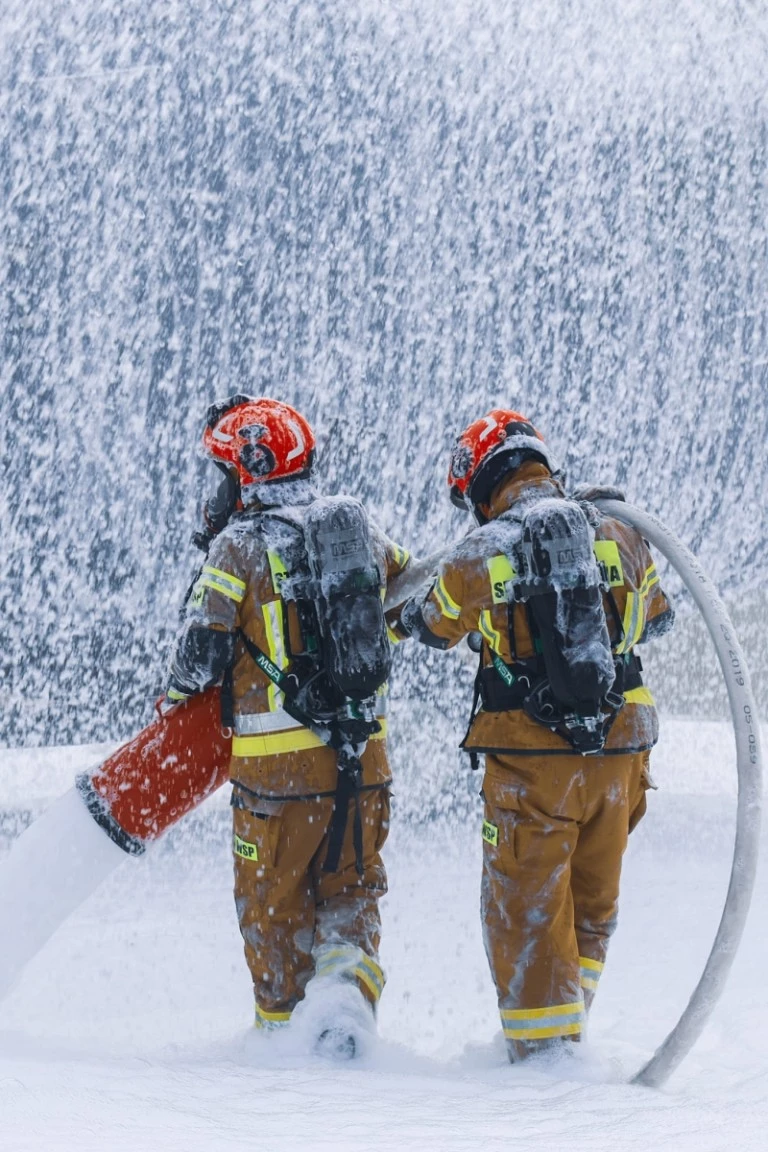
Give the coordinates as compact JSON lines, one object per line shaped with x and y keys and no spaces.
{"x":270,"y":1021}
{"x":348,"y":962}
{"x":551,"y":1022}
{"x":590,"y":971}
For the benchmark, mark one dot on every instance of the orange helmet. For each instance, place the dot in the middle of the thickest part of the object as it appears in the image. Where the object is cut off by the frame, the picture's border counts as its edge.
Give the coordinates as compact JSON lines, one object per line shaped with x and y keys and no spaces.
{"x":490,"y":448}
{"x":263,"y":440}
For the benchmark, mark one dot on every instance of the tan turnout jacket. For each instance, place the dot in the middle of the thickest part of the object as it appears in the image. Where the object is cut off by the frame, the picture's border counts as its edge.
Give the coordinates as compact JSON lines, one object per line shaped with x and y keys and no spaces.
{"x":470,"y":594}
{"x":239,"y":587}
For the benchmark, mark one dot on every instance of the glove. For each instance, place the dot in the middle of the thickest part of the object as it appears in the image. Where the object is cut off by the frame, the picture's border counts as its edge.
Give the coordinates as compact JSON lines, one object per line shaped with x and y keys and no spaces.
{"x":592,"y":492}
{"x":172,"y":698}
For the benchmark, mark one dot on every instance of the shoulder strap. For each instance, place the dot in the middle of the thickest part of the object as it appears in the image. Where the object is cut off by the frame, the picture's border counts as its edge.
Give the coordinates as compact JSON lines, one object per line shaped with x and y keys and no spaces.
{"x":350,"y":768}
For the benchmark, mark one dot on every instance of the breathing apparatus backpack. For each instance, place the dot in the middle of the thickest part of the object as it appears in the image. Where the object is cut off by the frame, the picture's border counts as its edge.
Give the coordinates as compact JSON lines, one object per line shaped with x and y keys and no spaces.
{"x":347,"y":589}
{"x":567,"y":687}
{"x":333,"y":580}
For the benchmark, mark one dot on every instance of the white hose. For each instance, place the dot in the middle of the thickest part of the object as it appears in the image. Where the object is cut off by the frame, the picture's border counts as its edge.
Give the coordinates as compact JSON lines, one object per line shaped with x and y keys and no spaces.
{"x":749,"y":767}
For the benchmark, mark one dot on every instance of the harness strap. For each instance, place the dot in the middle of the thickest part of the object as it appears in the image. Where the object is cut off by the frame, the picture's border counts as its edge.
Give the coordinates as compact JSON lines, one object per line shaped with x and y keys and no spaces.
{"x":474,"y":759}
{"x":350,"y":768}
{"x":347,"y":788}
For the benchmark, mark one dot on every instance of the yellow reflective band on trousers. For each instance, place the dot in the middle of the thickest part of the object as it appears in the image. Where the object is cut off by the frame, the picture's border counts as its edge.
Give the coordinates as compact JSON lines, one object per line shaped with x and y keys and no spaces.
{"x":352,"y":962}
{"x":590,"y":972}
{"x":543,"y":1023}
{"x":448,"y":605}
{"x":402,"y":555}
{"x":269,"y":1020}
{"x":223,"y":582}
{"x":294,"y":740}
{"x":639,"y":696}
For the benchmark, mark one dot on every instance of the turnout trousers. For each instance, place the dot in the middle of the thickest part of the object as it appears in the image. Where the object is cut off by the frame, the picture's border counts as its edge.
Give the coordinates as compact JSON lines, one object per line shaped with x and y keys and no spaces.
{"x":554,"y":834}
{"x":296,"y":919}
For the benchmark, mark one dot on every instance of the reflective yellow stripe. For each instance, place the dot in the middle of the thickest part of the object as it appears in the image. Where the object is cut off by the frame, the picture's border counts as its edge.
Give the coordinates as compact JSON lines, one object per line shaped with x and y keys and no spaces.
{"x":172,"y":694}
{"x":448,"y":605}
{"x":223,"y":582}
{"x":651,"y":577}
{"x":277,"y":569}
{"x":593,"y":965}
{"x":356,"y":963}
{"x":501,"y":572}
{"x":393,"y":636}
{"x":402,"y":555}
{"x":543,"y":1023}
{"x":590,"y":972}
{"x":269,"y":1020}
{"x":639,"y":696}
{"x":273,"y":623}
{"x":634,"y":612}
{"x":546,"y":1033}
{"x":296,"y":740}
{"x":485,"y":624}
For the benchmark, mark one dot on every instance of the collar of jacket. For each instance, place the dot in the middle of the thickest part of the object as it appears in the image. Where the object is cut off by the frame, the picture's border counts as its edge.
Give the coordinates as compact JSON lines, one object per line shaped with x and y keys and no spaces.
{"x":530,"y":479}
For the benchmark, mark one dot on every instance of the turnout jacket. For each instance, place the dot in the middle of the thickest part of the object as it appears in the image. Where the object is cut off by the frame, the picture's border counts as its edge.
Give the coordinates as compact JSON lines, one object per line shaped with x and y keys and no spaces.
{"x":239,"y":589}
{"x":469,"y":594}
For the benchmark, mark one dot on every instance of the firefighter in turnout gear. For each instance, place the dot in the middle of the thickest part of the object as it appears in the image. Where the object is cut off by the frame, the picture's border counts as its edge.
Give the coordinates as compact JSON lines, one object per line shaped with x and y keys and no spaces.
{"x":558,"y":597}
{"x":309,"y":767}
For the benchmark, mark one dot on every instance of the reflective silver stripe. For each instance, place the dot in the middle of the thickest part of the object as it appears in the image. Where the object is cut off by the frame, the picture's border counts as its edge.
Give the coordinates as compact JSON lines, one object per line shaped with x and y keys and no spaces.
{"x":257,"y":723}
{"x":260,"y":723}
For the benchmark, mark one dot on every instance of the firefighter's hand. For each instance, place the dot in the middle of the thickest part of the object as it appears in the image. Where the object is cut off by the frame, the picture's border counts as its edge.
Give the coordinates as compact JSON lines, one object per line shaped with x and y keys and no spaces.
{"x":592,"y":492}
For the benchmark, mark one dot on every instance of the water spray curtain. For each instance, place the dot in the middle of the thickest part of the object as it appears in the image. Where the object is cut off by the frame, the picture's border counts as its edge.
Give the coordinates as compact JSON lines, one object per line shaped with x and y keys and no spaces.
{"x":392,"y":219}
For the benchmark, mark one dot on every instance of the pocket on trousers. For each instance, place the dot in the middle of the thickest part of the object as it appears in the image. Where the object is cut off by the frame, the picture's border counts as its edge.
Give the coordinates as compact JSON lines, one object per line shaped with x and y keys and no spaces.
{"x":640,"y":805}
{"x":376,"y":822}
{"x":256,"y":834}
{"x":501,"y":817}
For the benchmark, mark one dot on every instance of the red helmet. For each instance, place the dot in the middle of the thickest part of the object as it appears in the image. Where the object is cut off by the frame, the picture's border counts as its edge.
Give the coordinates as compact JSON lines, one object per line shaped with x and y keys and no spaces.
{"x":263,"y":440}
{"x":490,"y":448}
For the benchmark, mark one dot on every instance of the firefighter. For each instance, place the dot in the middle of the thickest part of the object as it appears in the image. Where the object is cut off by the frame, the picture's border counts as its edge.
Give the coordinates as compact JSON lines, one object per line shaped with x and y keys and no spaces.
{"x":560,"y":713}
{"x":307,"y":835}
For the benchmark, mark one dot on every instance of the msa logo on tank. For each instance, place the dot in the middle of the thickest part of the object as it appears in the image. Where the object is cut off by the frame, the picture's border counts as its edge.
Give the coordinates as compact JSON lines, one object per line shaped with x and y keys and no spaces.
{"x":344,"y":549}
